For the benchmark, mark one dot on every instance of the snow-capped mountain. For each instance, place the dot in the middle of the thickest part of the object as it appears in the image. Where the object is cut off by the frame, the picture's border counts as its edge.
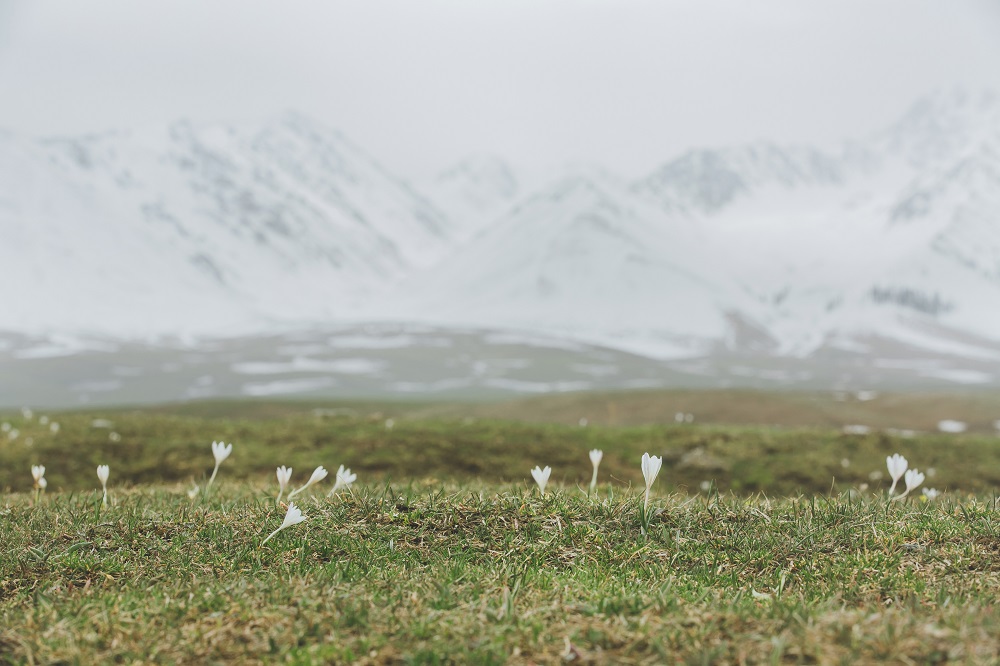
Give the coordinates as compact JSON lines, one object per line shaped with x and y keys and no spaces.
{"x":202,"y":228}
{"x":582,"y":259}
{"x":764,"y":248}
{"x":476,"y":191}
{"x":705,"y":181}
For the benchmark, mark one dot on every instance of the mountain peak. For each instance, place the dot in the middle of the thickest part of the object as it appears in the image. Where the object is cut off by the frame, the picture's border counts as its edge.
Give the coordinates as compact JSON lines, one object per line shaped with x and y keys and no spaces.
{"x":942,"y":125}
{"x":707,"y":180}
{"x":481,"y":172}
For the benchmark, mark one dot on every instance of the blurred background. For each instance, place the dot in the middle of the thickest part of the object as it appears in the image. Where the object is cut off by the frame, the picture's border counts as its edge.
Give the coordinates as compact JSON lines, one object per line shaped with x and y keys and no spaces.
{"x":453,"y":200}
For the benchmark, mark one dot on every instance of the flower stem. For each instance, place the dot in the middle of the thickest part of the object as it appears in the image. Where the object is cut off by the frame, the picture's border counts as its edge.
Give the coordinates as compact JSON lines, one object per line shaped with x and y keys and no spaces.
{"x":269,"y":536}
{"x":212,"y":478}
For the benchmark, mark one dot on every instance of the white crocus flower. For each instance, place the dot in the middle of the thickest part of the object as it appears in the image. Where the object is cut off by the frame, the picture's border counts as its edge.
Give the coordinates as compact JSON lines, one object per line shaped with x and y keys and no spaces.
{"x":102,"y":475}
{"x":913,"y":479}
{"x":931,"y":494}
{"x":54,"y":427}
{"x":344,"y":479}
{"x":284,"y":476}
{"x":897,"y":467}
{"x":221,"y":451}
{"x":292,"y":517}
{"x":38,"y":473}
{"x":596,"y":455}
{"x":193,"y":491}
{"x":650,"y":468}
{"x":541,"y":477}
{"x":318,"y":475}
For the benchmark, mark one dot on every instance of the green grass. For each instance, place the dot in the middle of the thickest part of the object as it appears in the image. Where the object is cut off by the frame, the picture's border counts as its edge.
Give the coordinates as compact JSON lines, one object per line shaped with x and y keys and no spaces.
{"x":444,"y":552}
{"x":174,"y":446}
{"x":429,"y":573}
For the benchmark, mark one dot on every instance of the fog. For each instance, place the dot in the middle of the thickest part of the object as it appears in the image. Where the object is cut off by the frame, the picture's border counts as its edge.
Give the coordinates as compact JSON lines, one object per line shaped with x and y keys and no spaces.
{"x":624,"y":83}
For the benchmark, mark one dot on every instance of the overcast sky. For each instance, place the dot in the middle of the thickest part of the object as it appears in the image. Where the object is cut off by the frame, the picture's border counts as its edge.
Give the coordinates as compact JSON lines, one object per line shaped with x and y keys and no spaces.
{"x":422,"y":83}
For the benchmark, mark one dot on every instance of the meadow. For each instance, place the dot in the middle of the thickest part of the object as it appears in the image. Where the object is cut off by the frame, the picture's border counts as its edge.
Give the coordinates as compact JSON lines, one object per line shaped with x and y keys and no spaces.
{"x":766,"y":544}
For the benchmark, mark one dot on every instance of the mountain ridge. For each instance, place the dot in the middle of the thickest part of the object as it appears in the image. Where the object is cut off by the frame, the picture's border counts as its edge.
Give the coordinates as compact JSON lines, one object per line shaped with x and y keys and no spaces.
{"x":210,"y":229}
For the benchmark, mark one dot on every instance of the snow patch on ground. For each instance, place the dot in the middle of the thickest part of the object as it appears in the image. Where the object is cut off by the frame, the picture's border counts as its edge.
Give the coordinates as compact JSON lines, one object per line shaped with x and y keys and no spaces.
{"x":960,"y":376}
{"x":521,"y":386}
{"x":287,"y":386}
{"x":348,"y":366}
{"x":952,"y":426}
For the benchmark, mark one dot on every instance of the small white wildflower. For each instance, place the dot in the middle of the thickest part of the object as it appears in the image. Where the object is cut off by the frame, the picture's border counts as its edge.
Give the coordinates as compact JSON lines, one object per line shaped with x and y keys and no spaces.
{"x":103,"y":471}
{"x":897,"y":467}
{"x":284,"y":476}
{"x":318,"y":475}
{"x":541,"y":477}
{"x":292,"y":517}
{"x":220,"y":451}
{"x":650,"y":468}
{"x":344,"y":479}
{"x":596,"y":455}
{"x":913,"y":479}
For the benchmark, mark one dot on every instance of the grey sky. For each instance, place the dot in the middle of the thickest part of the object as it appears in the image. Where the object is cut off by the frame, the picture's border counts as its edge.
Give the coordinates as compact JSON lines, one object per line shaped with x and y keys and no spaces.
{"x":624,"y":83}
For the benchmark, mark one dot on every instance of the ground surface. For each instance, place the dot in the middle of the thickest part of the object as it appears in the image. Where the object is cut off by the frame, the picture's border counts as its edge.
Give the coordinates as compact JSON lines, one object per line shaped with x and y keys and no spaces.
{"x":428,"y":573}
{"x":444,"y":551}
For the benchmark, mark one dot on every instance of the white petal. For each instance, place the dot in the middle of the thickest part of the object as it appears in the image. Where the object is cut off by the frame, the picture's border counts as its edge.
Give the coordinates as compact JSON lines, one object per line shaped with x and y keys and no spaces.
{"x":292,"y":517}
{"x":650,"y":468}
